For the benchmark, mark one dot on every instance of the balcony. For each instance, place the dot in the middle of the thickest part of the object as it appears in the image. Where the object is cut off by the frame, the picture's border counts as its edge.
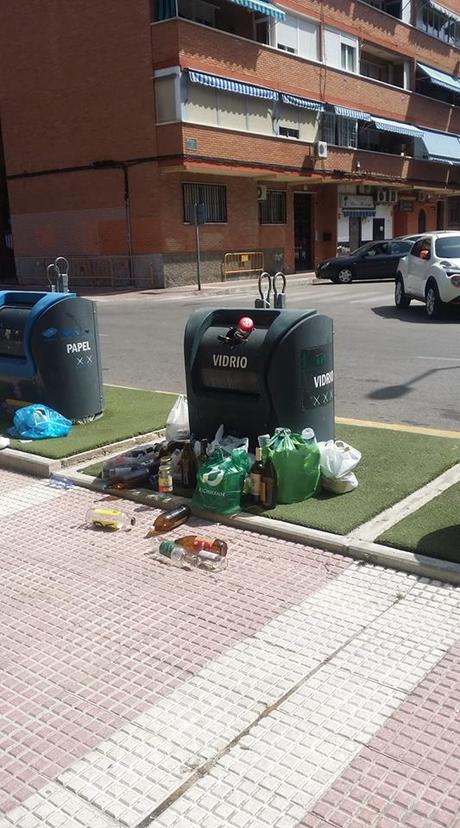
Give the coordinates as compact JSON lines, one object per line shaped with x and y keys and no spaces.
{"x":250,"y":23}
{"x":384,"y":66}
{"x":393,"y":7}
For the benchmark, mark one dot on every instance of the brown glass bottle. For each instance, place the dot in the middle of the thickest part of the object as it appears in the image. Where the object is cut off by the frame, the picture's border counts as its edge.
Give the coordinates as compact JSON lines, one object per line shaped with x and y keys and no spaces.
{"x":189,"y":466}
{"x":256,"y":475}
{"x":169,"y":520}
{"x":268,"y":485}
{"x":190,"y":542}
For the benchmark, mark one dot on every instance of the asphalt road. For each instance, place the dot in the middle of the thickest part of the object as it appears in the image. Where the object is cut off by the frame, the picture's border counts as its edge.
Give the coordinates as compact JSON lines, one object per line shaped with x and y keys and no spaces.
{"x":392,"y":366}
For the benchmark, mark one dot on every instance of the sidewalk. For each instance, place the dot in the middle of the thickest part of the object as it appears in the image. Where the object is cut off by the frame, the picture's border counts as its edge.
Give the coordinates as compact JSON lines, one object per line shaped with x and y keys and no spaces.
{"x":298,"y":688}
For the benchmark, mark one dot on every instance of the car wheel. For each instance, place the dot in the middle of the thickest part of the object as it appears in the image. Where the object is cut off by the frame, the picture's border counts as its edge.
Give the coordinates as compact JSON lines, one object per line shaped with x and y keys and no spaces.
{"x":345,"y":276}
{"x":401,"y":300}
{"x":335,"y":279}
{"x":434,"y":304}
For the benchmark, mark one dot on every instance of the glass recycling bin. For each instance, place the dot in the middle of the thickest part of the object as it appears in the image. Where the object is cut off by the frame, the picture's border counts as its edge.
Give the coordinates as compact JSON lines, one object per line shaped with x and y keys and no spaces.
{"x":279,"y":374}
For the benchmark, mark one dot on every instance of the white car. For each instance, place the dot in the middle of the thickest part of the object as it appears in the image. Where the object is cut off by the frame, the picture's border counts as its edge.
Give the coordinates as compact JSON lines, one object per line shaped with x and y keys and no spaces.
{"x":430,"y":273}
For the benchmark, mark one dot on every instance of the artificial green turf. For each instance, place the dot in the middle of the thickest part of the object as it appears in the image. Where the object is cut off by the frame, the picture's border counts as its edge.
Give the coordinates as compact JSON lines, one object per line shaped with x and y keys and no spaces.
{"x":127,"y":413}
{"x":394,"y":464}
{"x":433,"y":530}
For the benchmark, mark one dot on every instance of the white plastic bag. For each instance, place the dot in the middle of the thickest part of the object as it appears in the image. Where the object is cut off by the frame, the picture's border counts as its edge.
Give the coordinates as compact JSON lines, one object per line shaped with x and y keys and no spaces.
{"x":228,"y":443}
{"x":337,"y":463}
{"x":177,"y":424}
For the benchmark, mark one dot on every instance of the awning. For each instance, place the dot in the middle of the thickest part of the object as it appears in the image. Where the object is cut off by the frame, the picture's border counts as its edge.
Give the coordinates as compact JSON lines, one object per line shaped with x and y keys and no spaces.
{"x":442,"y":147}
{"x":303,"y":103}
{"x":397,"y":126}
{"x":263,"y":8}
{"x":441,"y":78}
{"x":352,"y":113}
{"x":443,"y":10}
{"x":232,"y":86}
{"x":350,"y":213}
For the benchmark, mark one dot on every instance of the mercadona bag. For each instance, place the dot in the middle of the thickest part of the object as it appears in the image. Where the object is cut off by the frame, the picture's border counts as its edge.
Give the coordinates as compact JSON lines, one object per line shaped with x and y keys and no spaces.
{"x":296,"y":465}
{"x":220,"y":481}
{"x":38,"y":422}
{"x":177,"y":424}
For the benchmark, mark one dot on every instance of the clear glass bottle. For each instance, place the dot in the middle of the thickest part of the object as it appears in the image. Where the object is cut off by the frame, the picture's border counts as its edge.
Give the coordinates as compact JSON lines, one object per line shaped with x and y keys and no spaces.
{"x":108,"y":518}
{"x":177,"y":555}
{"x":165,"y":480}
{"x":207,"y":559}
{"x":308,"y":436}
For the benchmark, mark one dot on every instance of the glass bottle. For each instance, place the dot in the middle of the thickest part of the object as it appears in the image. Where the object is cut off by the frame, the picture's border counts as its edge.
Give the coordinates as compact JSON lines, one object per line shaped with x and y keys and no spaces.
{"x":104,"y":517}
{"x":169,"y":520}
{"x":189,"y":466}
{"x":177,"y":555}
{"x":207,"y":559}
{"x":256,"y":472}
{"x":203,"y":456}
{"x":165,"y":480}
{"x":217,"y":545}
{"x":268,"y":485}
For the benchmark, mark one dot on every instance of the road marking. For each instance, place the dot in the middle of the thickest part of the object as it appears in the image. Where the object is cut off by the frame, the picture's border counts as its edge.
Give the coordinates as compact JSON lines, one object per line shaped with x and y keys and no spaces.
{"x":441,"y":359}
{"x":435,"y":432}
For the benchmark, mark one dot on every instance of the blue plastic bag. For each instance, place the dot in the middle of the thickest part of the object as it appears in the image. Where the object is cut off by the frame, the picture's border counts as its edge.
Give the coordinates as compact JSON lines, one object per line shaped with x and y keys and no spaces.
{"x":38,"y":422}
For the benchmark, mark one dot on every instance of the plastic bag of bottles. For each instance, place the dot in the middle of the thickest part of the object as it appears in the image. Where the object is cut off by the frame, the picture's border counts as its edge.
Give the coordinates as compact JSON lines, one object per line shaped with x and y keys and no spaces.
{"x":177,"y":424}
{"x":38,"y":422}
{"x":338,"y":461}
{"x":296,"y":465}
{"x":220,"y":481}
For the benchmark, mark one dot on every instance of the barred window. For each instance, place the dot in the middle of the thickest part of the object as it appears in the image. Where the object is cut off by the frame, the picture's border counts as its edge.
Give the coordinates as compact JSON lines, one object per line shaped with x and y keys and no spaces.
{"x":347,"y":132}
{"x":273,"y":209}
{"x":328,"y":120}
{"x":214,"y":198}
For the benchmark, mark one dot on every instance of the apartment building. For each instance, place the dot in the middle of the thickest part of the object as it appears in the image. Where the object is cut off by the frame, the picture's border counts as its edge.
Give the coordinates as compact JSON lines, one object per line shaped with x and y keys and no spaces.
{"x":291,"y":128}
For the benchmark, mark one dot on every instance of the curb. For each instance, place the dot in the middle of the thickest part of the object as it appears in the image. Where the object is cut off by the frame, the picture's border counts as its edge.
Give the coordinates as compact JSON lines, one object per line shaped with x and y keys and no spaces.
{"x":365,"y":551}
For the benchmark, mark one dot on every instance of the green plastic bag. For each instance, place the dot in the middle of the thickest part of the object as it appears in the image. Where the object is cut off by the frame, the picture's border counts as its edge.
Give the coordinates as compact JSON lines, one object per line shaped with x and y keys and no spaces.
{"x":296,"y":464}
{"x":219,"y":483}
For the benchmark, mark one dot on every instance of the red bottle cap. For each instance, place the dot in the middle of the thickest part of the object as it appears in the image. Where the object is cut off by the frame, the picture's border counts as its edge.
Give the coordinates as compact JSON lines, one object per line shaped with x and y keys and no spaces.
{"x":246,"y":324}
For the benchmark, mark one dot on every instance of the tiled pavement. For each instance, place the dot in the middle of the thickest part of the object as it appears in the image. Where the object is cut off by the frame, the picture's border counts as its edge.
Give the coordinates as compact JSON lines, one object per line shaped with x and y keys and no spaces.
{"x":298,"y":688}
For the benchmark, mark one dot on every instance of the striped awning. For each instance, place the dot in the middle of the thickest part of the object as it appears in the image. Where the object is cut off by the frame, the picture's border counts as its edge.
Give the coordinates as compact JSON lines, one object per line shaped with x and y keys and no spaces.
{"x":352,"y":113}
{"x":442,"y":147}
{"x":443,"y":10}
{"x":441,"y":79}
{"x":303,"y":103}
{"x":397,"y":126}
{"x":356,"y":213}
{"x":229,"y":85}
{"x":263,"y":8}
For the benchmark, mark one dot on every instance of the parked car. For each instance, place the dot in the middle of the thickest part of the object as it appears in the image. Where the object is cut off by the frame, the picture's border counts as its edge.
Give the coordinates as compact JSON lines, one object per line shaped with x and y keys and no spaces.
{"x":374,"y":260}
{"x":430,"y":273}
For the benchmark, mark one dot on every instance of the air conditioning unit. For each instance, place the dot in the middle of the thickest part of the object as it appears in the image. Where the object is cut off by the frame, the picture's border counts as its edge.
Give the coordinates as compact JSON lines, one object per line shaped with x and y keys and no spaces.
{"x":261,"y":193}
{"x":392,"y":196}
{"x":321,"y":149}
{"x":381,"y":197}
{"x":421,"y":195}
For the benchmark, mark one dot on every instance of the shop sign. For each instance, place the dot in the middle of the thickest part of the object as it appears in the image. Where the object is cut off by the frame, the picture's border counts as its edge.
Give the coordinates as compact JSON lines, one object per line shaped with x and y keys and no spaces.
{"x":356,"y":202}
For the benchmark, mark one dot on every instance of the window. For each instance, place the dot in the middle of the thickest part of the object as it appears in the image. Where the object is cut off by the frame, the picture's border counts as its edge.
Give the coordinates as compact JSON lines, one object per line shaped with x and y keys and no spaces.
{"x":288,"y":132}
{"x":206,"y":105}
{"x":438,"y":24}
{"x":448,"y":248}
{"x":342,"y":132}
{"x":165,"y":99}
{"x":454,"y":210}
{"x":273,"y":209}
{"x":400,"y":248}
{"x":213,"y":196}
{"x":297,"y":36}
{"x":328,"y":120}
{"x":421,"y":248}
{"x":347,"y":132}
{"x":348,"y":57}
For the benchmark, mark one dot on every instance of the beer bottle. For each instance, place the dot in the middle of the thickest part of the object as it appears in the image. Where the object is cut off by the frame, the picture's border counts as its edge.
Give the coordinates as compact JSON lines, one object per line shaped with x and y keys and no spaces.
{"x":203,"y":456}
{"x":169,"y":520}
{"x":268,"y":485}
{"x":189,"y":466}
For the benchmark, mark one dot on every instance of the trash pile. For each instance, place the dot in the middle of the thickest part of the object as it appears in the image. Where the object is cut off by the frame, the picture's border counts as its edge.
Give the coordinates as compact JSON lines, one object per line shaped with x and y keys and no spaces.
{"x":222,"y":475}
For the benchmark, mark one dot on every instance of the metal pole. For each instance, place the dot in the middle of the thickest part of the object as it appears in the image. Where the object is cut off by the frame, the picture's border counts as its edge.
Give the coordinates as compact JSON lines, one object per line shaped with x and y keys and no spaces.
{"x":197,"y":239}
{"x":129,"y":229}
